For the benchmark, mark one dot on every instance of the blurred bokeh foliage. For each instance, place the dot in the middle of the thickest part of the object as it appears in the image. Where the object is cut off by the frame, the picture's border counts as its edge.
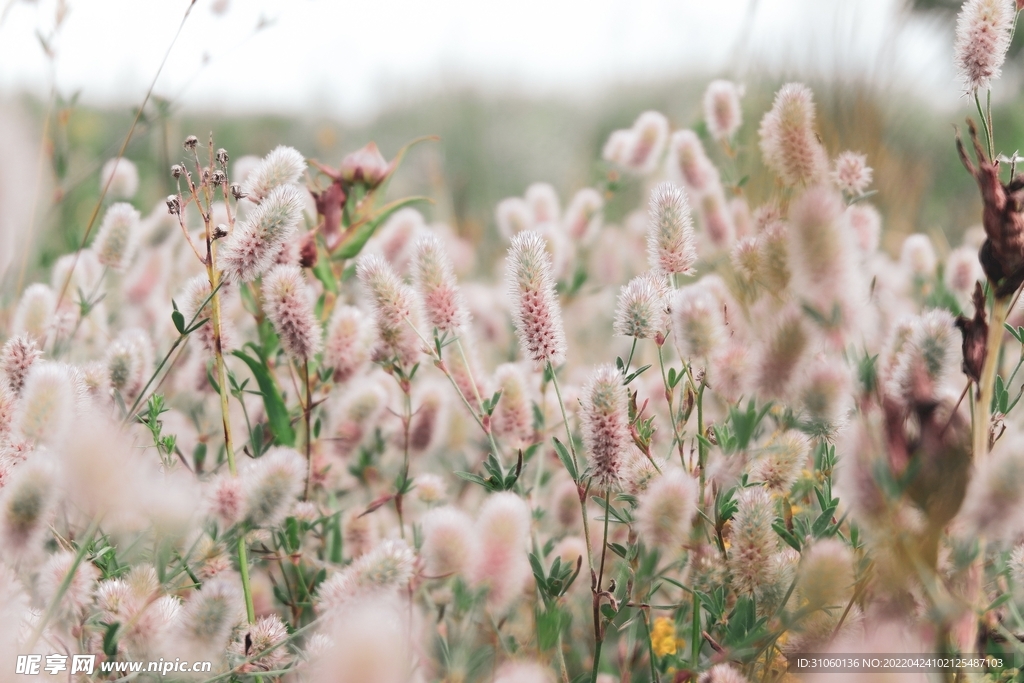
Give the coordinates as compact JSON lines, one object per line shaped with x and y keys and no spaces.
{"x":492,"y":147}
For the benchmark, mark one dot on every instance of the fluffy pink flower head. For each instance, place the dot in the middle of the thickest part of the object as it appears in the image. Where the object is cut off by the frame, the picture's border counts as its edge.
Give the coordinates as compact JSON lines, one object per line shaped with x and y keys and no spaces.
{"x":821,"y":255}
{"x":195,"y":307}
{"x":268,"y":632}
{"x":851,"y":173}
{"x":347,"y":348}
{"x":393,"y":309}
{"x":665,"y":514}
{"x":252,"y":247}
{"x":689,"y":162}
{"x":583,"y":217}
{"x":617,"y":147}
{"x":386,"y":568}
{"x":227,"y":500}
{"x":782,"y":460}
{"x":366,"y":165}
{"x":698,"y":326}
{"x":605,"y":424}
{"x":717,"y":218}
{"x":34,"y":316}
{"x":283,"y":166}
{"x":449,"y":546}
{"x":523,"y":672}
{"x":120,"y":177}
{"x":826,"y":576}
{"x":753,"y":541}
{"x":671,"y":247}
{"x":271,"y":484}
{"x":535,"y":310}
{"x":731,"y":371}
{"x":927,"y":359}
{"x":16,"y":357}
{"x":288,"y":305}
{"x":513,"y":215}
{"x":918,"y":256}
{"x":826,"y":390}
{"x":650,"y":133}
{"x":722,"y":673}
{"x":211,"y":613}
{"x":642,"y":309}
{"x":543,"y":202}
{"x":983,"y":30}
{"x":427,"y":428}
{"x":722,"y":112}
{"x":512,"y":420}
{"x":129,"y":361}
{"x":47,"y":403}
{"x":438,"y":290}
{"x":781,"y":353}
{"x":994,"y":504}
{"x":962,"y":270}
{"x":866,"y":224}
{"x":79,"y":594}
{"x":118,"y":236}
{"x":788,"y":141}
{"x":503,"y":533}
{"x":29,"y":496}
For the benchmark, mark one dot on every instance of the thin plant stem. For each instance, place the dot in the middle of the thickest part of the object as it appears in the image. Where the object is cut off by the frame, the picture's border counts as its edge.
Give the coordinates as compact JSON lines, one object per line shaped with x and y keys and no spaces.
{"x":439,"y":362}
{"x":600,"y":580}
{"x":671,"y":412}
{"x":406,"y":425}
{"x":984,"y":124}
{"x":583,"y":510}
{"x":695,"y":634}
{"x":479,"y":400}
{"x":560,"y":656}
{"x":986,"y":384}
{"x":629,"y":361}
{"x":308,"y":410}
{"x":702,"y":449}
{"x":650,"y":645}
{"x":243,"y":569}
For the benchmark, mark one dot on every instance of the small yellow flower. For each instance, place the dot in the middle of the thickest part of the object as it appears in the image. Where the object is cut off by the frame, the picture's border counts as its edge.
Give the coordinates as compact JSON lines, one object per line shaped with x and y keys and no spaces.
{"x":663,"y":637}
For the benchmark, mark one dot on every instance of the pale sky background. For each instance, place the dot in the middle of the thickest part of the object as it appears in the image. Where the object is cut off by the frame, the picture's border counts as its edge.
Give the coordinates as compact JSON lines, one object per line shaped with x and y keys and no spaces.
{"x":351,"y":59}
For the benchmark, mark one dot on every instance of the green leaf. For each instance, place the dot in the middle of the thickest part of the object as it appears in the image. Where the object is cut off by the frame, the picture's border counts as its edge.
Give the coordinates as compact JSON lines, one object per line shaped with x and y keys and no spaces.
{"x":475,"y":478}
{"x":566,"y":459}
{"x":632,"y":376}
{"x":277,"y":413}
{"x":786,"y":534}
{"x":179,"y":320}
{"x":823,"y":521}
{"x":110,"y":639}
{"x":356,"y":238}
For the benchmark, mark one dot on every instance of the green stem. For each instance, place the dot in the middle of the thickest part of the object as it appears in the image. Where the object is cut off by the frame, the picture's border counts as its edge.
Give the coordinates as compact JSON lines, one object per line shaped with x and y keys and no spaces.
{"x":629,"y":360}
{"x":702,"y":449}
{"x":984,"y":124}
{"x":671,"y":411}
{"x":986,"y":386}
{"x":597,"y":659}
{"x":583,"y":510}
{"x":243,"y":569}
{"x":695,"y":634}
{"x":650,"y":646}
{"x":598,"y":631}
{"x":309,"y":431}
